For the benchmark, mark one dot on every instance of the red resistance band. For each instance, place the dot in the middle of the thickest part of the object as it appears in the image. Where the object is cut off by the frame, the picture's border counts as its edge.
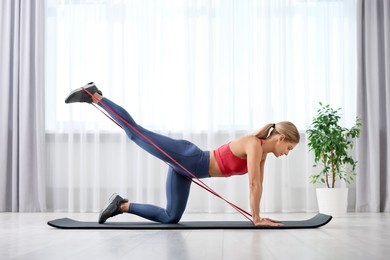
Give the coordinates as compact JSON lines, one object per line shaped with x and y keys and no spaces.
{"x":195,"y":179}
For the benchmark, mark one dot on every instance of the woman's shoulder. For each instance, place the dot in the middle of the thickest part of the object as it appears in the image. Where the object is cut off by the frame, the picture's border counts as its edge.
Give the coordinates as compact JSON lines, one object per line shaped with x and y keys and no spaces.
{"x":246,"y":145}
{"x":248,"y":141}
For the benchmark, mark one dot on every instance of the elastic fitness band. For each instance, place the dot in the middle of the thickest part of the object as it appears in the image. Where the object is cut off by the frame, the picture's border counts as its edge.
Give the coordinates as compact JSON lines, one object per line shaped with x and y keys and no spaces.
{"x":195,"y":179}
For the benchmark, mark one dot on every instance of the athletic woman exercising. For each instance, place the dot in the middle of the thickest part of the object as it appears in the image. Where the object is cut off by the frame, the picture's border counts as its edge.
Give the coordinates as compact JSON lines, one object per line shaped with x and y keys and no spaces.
{"x":243,"y":155}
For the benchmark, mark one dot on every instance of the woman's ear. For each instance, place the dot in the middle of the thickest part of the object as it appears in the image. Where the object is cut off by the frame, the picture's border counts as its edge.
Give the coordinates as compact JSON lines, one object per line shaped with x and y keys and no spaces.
{"x":281,"y":137}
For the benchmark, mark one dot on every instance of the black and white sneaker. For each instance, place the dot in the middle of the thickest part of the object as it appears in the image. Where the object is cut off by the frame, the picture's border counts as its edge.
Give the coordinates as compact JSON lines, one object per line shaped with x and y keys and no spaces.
{"x":112,"y":209}
{"x":80,"y":95}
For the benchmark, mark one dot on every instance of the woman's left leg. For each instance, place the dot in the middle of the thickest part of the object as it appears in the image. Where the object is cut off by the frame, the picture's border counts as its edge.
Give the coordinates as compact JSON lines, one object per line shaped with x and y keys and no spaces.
{"x":183,"y":152}
{"x":177,"y":192}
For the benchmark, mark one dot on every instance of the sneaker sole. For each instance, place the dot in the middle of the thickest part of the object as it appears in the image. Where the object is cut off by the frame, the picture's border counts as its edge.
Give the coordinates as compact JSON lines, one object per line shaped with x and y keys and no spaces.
{"x":74,"y":92}
{"x":110,"y":200}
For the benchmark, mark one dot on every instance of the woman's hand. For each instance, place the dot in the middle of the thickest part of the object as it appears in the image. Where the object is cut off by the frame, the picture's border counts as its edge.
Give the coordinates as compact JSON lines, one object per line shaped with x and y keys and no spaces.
{"x":266,"y":222}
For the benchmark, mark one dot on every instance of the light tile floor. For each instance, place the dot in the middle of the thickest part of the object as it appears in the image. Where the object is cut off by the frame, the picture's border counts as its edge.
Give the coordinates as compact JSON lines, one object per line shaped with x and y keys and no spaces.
{"x":355,"y":236}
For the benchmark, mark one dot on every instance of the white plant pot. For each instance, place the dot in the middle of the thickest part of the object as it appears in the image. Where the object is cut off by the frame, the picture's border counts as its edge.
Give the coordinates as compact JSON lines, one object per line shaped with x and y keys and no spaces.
{"x":332,"y":201}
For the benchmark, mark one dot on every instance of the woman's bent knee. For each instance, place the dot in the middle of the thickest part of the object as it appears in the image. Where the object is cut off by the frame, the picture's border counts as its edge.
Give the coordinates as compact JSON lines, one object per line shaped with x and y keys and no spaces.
{"x":171,"y":220}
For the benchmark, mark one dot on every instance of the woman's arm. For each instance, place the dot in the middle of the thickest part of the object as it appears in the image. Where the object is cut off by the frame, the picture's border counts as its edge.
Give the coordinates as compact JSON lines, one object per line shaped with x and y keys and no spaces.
{"x":254,"y":154}
{"x":256,"y":161}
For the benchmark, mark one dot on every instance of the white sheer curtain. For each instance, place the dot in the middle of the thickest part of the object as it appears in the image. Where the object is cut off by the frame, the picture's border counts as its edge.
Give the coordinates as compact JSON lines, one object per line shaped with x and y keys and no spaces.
{"x":207,"y":71}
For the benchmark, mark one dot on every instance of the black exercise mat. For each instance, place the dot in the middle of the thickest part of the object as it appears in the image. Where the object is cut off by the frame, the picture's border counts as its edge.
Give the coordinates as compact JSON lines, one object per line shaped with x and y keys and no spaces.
{"x":67,"y":223}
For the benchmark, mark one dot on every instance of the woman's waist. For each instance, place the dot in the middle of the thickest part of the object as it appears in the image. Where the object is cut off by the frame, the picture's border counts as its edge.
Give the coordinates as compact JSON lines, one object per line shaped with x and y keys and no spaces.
{"x":214,"y":169}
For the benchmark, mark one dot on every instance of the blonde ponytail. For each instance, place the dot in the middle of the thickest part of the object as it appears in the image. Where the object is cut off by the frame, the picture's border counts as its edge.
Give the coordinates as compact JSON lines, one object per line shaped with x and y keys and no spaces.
{"x":264,"y":132}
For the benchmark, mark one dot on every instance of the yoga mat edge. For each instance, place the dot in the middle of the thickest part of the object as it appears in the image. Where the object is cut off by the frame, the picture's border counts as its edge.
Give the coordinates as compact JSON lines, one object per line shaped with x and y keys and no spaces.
{"x":67,"y":223}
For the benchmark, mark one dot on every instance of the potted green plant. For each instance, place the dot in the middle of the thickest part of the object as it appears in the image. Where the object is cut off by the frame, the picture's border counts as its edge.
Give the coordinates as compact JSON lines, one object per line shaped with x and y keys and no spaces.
{"x":331,"y":144}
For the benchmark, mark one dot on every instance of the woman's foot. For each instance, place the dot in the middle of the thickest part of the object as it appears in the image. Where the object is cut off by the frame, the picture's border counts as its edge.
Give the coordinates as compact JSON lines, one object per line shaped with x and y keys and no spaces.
{"x":113,"y":208}
{"x":83,"y":94}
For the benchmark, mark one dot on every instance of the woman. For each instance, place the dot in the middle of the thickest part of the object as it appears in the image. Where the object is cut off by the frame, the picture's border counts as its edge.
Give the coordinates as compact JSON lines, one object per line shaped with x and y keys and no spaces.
{"x":244,"y":155}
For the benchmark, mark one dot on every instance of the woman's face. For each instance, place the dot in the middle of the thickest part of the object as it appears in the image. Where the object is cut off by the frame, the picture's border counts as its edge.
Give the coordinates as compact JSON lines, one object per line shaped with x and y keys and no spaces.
{"x":283,"y":147}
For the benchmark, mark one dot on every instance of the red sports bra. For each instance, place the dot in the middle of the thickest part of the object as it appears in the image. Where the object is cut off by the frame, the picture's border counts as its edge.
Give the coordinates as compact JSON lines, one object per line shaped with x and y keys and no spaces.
{"x":229,"y":163}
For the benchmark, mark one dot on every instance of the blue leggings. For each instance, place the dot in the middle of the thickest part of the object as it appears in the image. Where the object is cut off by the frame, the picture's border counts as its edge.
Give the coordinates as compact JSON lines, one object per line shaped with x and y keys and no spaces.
{"x":177,"y":186}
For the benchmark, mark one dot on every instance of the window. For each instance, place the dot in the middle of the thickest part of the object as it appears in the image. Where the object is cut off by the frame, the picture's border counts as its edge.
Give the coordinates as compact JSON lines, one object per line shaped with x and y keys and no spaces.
{"x":201,"y":66}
